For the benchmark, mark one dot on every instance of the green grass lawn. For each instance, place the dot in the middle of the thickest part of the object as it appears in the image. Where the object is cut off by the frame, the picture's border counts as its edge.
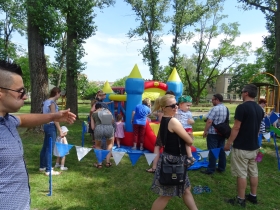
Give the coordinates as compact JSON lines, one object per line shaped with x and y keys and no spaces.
{"x":127,"y":187}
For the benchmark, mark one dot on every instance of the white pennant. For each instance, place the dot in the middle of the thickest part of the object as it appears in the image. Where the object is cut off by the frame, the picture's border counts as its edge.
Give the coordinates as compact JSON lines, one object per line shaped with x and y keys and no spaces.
{"x":150,"y":157}
{"x":266,"y":136}
{"x":82,"y":151}
{"x":117,"y":156}
{"x":227,"y":153}
{"x":204,"y":154}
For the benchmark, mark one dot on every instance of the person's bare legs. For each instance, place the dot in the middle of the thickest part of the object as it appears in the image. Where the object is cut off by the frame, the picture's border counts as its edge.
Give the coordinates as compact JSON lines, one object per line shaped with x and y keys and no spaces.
{"x":188,"y":199}
{"x":254,"y":185}
{"x":241,"y":187}
{"x":98,"y":146}
{"x":160,"y":203}
{"x":109,"y":143}
{"x":62,"y":161}
{"x":118,"y":142}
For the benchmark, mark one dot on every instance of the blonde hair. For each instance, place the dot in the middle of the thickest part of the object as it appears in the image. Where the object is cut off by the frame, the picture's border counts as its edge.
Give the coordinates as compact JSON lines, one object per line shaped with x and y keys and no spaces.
{"x":161,"y":102}
{"x":146,"y":101}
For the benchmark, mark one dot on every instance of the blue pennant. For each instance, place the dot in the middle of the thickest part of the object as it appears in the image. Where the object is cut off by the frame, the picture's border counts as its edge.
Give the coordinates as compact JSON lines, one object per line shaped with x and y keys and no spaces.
{"x":267,"y":122}
{"x":260,"y":139}
{"x":133,"y":156}
{"x":63,"y":149}
{"x":273,"y":117}
{"x":101,"y":154}
{"x":201,"y":117}
{"x":216,"y":152}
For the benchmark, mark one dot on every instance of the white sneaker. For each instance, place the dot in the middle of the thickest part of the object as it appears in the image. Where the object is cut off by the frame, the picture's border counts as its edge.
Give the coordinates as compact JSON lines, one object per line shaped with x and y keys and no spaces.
{"x":43,"y":169}
{"x":54,"y":173}
{"x":57,"y":166}
{"x":63,"y":168}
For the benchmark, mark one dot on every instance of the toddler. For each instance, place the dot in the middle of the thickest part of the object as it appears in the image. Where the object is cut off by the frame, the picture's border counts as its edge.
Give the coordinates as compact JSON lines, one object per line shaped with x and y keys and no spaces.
{"x":60,"y":161}
{"x":185,"y":117}
{"x":119,"y":125}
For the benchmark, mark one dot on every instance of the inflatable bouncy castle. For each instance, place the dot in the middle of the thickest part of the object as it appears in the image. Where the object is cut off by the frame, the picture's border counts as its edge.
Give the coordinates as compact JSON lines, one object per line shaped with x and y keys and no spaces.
{"x":135,"y":87}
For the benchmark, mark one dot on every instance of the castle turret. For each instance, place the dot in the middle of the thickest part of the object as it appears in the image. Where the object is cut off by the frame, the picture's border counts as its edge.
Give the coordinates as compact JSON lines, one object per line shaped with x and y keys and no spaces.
{"x":108,"y":90}
{"x":134,"y":87}
{"x":175,"y":84}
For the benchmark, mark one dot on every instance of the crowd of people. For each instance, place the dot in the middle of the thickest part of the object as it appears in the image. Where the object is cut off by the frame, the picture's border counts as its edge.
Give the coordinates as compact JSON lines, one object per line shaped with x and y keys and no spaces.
{"x":175,"y":130}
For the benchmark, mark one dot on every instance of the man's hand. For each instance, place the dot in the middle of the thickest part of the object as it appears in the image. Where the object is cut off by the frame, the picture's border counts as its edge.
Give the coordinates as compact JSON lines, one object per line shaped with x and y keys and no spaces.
{"x":64,"y":116}
{"x":227,"y":147}
{"x":205,"y":133}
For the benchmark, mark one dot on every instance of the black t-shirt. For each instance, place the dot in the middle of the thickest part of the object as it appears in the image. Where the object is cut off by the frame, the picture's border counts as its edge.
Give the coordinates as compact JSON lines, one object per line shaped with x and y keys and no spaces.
{"x":250,"y":114}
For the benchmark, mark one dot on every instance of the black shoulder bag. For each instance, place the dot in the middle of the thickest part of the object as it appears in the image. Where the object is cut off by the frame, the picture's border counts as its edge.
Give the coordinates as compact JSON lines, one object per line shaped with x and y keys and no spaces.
{"x":173,"y":168}
{"x":223,"y":129}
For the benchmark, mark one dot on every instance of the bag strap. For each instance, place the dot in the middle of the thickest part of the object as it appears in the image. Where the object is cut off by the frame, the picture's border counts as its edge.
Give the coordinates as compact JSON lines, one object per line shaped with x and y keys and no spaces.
{"x":164,"y":138}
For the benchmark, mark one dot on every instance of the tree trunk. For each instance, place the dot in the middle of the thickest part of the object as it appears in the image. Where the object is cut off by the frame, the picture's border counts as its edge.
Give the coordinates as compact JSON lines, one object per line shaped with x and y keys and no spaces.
{"x":38,"y":68}
{"x":277,"y":53}
{"x":71,"y":67}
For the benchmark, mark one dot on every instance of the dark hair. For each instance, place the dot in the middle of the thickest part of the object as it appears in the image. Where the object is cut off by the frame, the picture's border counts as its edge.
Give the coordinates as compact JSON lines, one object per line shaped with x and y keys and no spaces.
{"x":251,"y":89}
{"x":10,"y":67}
{"x":170,"y":92}
{"x":262,"y":101}
{"x":219,"y":97}
{"x":54,"y":91}
{"x":98,"y":105}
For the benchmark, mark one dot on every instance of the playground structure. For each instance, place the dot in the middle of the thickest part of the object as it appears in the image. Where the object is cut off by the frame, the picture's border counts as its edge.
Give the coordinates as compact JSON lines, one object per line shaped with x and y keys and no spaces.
{"x":270,"y":95}
{"x":136,"y":90}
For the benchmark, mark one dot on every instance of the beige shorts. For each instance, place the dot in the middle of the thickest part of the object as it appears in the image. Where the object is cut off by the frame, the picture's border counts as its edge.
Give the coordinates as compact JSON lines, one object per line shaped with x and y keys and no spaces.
{"x":243,"y":163}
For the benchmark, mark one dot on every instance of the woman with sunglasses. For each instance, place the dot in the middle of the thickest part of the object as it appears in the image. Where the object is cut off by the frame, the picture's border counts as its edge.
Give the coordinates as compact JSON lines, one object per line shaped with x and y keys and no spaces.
{"x":174,"y":130}
{"x":50,"y":129}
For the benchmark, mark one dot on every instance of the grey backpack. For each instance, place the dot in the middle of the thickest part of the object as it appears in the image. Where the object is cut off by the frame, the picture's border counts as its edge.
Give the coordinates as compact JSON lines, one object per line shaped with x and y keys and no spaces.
{"x":105,"y":117}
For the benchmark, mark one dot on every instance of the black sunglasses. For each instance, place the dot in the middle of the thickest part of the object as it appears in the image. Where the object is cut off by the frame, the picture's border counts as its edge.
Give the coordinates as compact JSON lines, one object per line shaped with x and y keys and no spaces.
{"x":22,"y":91}
{"x":173,"y":106}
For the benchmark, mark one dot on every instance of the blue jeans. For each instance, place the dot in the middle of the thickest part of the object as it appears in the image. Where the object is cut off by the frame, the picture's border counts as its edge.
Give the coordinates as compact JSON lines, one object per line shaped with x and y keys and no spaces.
{"x":216,"y":141}
{"x":50,"y":131}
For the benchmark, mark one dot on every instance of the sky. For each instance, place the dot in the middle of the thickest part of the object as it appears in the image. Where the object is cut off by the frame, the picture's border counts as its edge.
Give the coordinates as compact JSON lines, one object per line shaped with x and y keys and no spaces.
{"x":112,"y":56}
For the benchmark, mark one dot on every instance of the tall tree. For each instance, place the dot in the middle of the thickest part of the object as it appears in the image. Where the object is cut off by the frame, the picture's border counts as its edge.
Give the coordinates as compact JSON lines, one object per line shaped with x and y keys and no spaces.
{"x":271,"y":8}
{"x":151,"y":14}
{"x":210,"y":63}
{"x":186,"y":13}
{"x":80,"y":26}
{"x":14,"y":19}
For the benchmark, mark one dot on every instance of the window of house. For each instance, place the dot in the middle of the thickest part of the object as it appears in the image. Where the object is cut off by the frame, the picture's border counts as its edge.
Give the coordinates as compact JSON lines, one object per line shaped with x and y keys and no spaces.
{"x":234,"y":97}
{"x":228,"y":96}
{"x":229,"y":80}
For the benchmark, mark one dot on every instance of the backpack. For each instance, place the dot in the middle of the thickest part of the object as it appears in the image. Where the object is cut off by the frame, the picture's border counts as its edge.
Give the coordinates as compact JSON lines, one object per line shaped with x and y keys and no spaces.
{"x":223,"y":129}
{"x":105,"y":117}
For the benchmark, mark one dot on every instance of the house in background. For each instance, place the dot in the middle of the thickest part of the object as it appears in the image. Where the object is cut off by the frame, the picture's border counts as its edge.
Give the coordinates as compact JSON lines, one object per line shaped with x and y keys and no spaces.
{"x":221,"y":87}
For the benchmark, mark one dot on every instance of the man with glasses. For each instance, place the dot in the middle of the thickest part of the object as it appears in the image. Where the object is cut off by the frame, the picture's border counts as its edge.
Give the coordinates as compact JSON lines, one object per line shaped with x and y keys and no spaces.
{"x":245,"y":147}
{"x":216,"y":115}
{"x":14,"y":186}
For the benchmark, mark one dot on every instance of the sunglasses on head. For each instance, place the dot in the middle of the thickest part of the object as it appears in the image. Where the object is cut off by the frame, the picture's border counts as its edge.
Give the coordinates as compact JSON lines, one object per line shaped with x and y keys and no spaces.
{"x":173,"y":106}
{"x":21,"y":91}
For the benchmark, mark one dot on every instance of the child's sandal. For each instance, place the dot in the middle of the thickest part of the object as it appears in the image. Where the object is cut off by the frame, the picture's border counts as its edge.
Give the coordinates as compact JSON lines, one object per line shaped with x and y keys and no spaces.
{"x":96,"y":165}
{"x":108,"y":165}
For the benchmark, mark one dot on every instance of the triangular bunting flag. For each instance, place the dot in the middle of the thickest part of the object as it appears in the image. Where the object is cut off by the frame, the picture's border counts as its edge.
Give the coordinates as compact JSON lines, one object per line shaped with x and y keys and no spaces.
{"x":63,"y":149}
{"x":195,"y":118}
{"x":201,"y":117}
{"x":118,"y":156}
{"x":150,"y":157}
{"x":134,"y":156}
{"x":216,"y":152}
{"x":101,"y":154}
{"x":204,"y":154}
{"x":267,"y":136}
{"x":82,"y":151}
{"x":260,"y":139}
{"x":267,"y":122}
{"x":227,"y":153}
{"x":273,"y":117}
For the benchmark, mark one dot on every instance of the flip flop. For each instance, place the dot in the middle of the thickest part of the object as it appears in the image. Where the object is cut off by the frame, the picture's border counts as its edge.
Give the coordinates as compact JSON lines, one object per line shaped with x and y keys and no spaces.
{"x":96,"y":165}
{"x":206,"y":189}
{"x":151,"y":170}
{"x":198,"y":190}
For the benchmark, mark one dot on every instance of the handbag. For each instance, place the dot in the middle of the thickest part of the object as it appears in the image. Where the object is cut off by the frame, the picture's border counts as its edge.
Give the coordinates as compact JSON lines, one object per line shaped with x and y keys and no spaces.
{"x":173,"y":168}
{"x":223,"y":129}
